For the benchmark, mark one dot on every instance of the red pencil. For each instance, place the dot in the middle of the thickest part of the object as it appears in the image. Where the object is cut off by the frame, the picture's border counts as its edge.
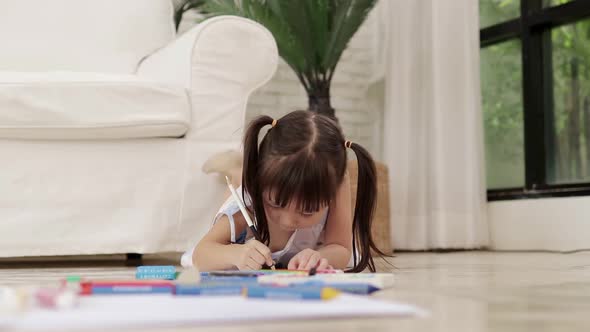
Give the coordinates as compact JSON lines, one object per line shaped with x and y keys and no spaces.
{"x":126,"y":287}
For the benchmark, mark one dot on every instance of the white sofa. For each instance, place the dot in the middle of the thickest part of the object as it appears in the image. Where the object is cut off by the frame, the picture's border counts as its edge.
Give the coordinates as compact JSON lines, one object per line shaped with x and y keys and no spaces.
{"x":106,"y":119}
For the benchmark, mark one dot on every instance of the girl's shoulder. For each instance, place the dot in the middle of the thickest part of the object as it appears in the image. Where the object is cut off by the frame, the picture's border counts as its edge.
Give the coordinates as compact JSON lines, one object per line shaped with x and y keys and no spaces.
{"x":237,"y":225}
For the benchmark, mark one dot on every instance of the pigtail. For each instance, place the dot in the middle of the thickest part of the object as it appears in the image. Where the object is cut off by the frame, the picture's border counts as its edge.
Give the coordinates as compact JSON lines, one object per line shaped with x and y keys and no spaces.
{"x":364,"y":209}
{"x":250,"y":183}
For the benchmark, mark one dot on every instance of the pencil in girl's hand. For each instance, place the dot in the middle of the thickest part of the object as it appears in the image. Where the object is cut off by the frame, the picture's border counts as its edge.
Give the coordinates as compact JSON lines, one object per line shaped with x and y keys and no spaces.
{"x":244,"y":211}
{"x":313,"y":271}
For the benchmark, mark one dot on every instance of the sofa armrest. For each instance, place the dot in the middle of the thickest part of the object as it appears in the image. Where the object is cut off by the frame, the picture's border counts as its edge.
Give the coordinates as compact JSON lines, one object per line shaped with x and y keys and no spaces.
{"x":220,"y":62}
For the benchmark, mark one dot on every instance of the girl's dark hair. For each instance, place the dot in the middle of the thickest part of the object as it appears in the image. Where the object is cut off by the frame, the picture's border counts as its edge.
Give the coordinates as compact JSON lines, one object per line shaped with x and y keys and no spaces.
{"x":303,"y":159}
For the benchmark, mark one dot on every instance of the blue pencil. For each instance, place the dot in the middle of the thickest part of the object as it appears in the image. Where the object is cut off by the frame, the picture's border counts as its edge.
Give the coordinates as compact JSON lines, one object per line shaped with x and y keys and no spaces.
{"x":208,"y":290}
{"x":127,"y":290}
{"x":126,"y":287}
{"x":351,"y":288}
{"x":290,"y":293}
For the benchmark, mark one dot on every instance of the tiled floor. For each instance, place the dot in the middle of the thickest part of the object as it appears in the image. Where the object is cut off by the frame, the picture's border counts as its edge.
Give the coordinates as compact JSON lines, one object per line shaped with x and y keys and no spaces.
{"x":464,"y":291}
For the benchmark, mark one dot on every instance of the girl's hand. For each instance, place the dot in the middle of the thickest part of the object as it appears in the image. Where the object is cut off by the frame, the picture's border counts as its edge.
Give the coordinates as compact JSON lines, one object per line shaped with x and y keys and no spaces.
{"x":252,"y":255}
{"x":307,"y":259}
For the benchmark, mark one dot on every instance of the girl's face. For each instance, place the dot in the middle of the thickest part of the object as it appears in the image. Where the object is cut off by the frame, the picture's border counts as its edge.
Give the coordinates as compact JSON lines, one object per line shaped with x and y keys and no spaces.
{"x":290,"y":218}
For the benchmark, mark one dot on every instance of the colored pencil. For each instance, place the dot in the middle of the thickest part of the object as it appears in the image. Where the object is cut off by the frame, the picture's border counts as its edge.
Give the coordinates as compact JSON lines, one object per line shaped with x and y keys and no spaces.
{"x":244,"y":212}
{"x":126,"y":287}
{"x":290,"y":293}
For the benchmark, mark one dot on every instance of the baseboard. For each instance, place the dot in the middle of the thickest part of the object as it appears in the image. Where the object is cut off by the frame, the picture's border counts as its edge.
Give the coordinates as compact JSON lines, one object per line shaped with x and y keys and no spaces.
{"x":555,"y":224}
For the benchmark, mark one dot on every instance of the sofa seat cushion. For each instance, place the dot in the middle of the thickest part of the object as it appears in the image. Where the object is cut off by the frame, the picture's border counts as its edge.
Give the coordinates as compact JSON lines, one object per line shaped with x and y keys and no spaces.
{"x":79,"y":105}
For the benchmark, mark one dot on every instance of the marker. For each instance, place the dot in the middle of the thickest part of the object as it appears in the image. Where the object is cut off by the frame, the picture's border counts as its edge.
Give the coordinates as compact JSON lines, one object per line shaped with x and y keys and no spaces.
{"x":157,"y":276}
{"x":73,"y":279}
{"x":156,"y":269}
{"x":127,"y":287}
{"x":290,"y":293}
{"x":72,"y":283}
{"x":165,"y":272}
{"x":208,"y":290}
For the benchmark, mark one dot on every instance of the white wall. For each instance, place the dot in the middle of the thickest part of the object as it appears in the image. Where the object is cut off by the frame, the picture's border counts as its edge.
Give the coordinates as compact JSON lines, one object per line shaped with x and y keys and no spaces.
{"x":557,"y":224}
{"x":349,"y":92}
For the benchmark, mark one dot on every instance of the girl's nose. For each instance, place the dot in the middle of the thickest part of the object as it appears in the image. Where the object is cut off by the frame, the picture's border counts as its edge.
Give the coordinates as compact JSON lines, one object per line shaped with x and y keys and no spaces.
{"x":289,"y":222}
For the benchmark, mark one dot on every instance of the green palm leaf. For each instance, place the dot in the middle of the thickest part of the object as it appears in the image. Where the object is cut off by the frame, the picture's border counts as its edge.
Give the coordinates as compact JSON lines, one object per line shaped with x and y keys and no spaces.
{"x":311,"y":34}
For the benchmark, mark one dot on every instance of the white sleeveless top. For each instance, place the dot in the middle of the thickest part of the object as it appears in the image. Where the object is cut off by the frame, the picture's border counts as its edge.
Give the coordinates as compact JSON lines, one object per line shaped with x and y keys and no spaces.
{"x":303,"y":238}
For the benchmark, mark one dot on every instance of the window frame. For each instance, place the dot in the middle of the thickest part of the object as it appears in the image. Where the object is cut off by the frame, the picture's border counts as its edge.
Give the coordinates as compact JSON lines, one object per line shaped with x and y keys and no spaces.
{"x":532,"y":28}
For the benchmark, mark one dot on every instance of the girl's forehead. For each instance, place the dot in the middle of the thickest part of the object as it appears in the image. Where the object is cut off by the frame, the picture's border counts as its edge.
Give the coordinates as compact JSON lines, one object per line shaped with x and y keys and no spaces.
{"x":273,"y":194}
{"x":295,"y":202}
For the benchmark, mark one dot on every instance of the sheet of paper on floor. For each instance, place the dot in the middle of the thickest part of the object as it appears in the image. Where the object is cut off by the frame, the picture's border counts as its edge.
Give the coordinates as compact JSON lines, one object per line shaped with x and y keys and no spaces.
{"x":166,"y":310}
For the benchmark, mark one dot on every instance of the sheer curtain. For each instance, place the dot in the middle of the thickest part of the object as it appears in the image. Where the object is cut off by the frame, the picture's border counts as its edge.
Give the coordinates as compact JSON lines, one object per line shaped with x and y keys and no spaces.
{"x":433,"y":135}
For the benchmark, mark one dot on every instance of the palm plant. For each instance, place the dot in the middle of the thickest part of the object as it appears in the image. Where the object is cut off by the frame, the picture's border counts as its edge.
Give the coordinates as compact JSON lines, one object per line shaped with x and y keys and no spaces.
{"x":310,"y":34}
{"x":183,"y":7}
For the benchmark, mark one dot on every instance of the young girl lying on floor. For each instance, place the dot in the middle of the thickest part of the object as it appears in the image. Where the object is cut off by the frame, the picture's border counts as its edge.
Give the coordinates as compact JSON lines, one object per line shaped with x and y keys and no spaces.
{"x":296,"y":186}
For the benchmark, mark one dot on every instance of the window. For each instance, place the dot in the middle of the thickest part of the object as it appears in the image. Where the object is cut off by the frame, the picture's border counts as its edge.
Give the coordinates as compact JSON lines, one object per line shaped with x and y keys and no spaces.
{"x":535,"y":72}
{"x":549,"y":3}
{"x":496,"y":11}
{"x":501,"y":75}
{"x":570,"y":161}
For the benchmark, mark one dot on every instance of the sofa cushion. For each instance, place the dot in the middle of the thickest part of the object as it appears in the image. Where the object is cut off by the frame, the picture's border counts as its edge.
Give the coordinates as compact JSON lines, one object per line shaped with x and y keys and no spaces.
{"x":77,"y":105}
{"x":82,"y":35}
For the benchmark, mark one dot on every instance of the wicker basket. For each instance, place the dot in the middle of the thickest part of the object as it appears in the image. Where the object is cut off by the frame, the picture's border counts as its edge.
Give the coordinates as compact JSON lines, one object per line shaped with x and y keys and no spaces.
{"x":381,"y":228}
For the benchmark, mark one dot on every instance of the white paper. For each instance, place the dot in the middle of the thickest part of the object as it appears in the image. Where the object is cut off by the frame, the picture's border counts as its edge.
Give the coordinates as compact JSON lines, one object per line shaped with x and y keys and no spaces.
{"x":109,"y":311}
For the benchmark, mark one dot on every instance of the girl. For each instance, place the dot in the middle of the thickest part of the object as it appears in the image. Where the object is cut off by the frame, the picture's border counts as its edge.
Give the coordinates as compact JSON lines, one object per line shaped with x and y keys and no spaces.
{"x":296,"y":186}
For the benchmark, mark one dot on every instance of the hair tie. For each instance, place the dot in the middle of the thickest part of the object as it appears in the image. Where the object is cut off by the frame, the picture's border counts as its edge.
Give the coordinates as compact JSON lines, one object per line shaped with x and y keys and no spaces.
{"x":274,"y":123}
{"x":347,"y":144}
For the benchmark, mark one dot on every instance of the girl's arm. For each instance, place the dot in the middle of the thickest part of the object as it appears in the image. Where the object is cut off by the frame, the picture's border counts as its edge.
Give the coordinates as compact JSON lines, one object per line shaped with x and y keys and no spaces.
{"x":216,"y":252}
{"x":338,"y":234}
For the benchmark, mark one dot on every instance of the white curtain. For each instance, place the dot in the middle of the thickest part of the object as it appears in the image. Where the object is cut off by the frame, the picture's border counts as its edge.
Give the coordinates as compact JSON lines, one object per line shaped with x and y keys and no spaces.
{"x":433,"y":135}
